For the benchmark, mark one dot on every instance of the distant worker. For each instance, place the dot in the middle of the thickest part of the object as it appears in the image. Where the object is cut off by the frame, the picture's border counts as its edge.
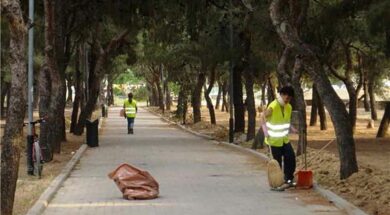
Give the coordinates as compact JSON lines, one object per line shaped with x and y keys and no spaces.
{"x":277,"y":118}
{"x":131,"y":109}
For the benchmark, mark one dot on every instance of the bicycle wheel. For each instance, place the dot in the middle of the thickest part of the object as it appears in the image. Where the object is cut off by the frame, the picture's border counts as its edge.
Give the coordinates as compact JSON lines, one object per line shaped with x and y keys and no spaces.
{"x":37,"y":159}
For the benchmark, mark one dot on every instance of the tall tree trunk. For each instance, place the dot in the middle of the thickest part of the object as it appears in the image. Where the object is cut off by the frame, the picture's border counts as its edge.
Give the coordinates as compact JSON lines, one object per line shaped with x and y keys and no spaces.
{"x":13,"y":131}
{"x":197,"y":97}
{"x":179,"y":107}
{"x":78,"y":92}
{"x":182,"y":104}
{"x":371,"y":93}
{"x":102,"y":99}
{"x":225,"y":88}
{"x":352,"y":103}
{"x":384,"y":126}
{"x":52,"y":133}
{"x":155,"y":99}
{"x":63,"y":51}
{"x":160,"y":95}
{"x":314,"y":107}
{"x":349,"y":84}
{"x":239,"y":109}
{"x":70,"y":92}
{"x":340,"y":117}
{"x":271,"y":94}
{"x":210,"y":105}
{"x":218,"y":102}
{"x":91,"y":92}
{"x":96,"y":73}
{"x":263,"y":87}
{"x":365,"y":95}
{"x":250,"y":104}
{"x":185,"y":107}
{"x":8,"y":99}
{"x":168,"y":99}
{"x":110,"y":92}
{"x":87,"y":110}
{"x":321,"y":111}
{"x":298,"y":102}
{"x":5,"y":87}
{"x":60,"y":116}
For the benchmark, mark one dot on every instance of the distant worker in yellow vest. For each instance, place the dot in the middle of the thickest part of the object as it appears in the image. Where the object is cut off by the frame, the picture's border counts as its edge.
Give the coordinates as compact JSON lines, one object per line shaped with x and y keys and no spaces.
{"x":131,"y":109}
{"x":277,"y":119}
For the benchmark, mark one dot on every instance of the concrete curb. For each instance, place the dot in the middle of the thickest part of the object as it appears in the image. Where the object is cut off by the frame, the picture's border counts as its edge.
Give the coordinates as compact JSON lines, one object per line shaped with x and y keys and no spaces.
{"x":338,"y":201}
{"x":43,"y":201}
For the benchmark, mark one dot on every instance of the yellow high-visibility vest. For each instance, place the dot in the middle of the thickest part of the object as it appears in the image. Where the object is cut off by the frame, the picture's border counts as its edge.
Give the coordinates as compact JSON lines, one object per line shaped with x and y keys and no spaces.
{"x":278,"y":124}
{"x":130,"y":108}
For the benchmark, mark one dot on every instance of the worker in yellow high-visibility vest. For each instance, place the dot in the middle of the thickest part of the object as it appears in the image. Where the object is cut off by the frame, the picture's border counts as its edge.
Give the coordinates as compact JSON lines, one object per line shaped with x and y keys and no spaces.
{"x":277,"y":118}
{"x":131,"y":109}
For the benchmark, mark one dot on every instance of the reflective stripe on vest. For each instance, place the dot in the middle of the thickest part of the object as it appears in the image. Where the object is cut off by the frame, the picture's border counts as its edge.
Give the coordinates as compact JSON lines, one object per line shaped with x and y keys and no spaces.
{"x":130,"y":110}
{"x":277,"y":133}
{"x":271,"y":126}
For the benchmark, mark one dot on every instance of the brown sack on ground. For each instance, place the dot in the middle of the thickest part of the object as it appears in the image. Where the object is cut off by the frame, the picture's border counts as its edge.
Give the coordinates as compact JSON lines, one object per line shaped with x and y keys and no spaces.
{"x":134,"y":183}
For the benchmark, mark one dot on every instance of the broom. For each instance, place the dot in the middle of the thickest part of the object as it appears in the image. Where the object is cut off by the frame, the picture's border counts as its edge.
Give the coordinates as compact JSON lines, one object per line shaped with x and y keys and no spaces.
{"x":275,"y":174}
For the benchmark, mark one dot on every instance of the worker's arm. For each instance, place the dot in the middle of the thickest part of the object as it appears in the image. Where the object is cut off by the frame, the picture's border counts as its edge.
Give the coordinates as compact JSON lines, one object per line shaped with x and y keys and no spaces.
{"x":136,"y":108}
{"x":124,"y":110}
{"x":264,"y":115}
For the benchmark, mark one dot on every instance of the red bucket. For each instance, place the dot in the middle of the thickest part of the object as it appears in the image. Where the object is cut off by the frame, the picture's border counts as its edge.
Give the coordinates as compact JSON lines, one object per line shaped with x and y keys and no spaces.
{"x":305,"y":179}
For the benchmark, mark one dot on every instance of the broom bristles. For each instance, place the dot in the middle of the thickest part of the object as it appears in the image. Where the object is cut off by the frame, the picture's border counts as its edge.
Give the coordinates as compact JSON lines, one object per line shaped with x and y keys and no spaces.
{"x":275,"y":174}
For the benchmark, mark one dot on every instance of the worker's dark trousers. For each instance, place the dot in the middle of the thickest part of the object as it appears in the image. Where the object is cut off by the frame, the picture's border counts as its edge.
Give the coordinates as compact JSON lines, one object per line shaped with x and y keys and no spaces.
{"x":130,"y":122}
{"x":287,"y":153}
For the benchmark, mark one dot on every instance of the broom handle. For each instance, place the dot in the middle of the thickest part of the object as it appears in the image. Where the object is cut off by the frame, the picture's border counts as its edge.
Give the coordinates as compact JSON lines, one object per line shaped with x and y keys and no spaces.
{"x":326,"y":145}
{"x":265,"y":131}
{"x":270,"y":151}
{"x":303,"y":139}
{"x":304,"y":147}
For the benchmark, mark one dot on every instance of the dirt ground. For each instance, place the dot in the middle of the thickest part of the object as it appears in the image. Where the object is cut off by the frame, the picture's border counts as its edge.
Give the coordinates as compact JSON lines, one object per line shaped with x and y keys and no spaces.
{"x":368,"y":189}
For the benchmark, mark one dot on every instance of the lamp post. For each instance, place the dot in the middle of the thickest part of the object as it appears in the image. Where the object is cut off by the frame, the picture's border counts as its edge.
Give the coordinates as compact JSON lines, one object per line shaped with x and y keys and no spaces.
{"x":30,"y":87}
{"x":231,"y":108}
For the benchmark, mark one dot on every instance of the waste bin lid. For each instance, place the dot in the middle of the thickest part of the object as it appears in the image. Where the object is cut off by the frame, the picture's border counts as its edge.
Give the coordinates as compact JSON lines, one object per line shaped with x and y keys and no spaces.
{"x":96,"y":121}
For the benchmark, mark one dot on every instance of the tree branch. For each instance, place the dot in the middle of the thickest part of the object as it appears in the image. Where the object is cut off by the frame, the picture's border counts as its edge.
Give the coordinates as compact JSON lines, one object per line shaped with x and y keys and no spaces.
{"x":335,"y":73}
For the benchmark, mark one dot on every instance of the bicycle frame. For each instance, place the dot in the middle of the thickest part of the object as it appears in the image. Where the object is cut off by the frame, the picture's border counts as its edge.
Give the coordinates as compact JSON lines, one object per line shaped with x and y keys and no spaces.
{"x":34,"y":151}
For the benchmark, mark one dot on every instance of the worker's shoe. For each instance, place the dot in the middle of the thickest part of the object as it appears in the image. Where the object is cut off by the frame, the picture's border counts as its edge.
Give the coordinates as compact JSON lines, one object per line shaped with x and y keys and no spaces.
{"x":287,"y":185}
{"x":131,"y":131}
{"x":128,"y":131}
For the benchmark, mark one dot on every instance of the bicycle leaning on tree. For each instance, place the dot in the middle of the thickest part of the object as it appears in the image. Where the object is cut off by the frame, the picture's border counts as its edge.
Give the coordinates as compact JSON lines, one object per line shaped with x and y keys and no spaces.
{"x":35,"y":151}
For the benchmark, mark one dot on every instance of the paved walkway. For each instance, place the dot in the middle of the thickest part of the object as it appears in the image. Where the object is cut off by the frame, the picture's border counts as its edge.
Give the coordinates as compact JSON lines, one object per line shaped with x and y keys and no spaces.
{"x":195,"y":176}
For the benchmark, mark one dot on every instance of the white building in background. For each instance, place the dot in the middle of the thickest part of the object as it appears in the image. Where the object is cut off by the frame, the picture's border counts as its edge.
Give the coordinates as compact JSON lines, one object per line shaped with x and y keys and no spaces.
{"x":131,"y":87}
{"x":340,"y":90}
